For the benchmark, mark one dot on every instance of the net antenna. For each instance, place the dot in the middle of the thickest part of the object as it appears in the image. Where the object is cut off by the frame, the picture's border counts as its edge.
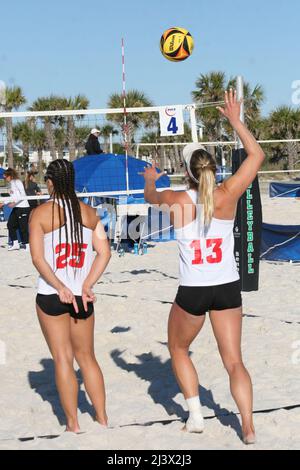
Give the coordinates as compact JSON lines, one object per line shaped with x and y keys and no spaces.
{"x":125,"y":124}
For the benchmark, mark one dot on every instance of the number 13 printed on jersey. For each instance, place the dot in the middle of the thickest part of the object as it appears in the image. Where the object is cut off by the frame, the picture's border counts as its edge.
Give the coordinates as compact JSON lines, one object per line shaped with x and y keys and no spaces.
{"x":215,"y":244}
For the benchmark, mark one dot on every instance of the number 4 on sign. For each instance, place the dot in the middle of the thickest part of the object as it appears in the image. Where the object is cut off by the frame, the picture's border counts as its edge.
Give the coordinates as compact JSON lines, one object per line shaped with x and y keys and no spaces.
{"x":172,"y":127}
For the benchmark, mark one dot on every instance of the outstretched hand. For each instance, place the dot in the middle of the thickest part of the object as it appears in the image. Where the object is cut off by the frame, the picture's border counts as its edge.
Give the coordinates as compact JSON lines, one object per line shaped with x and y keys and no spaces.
{"x":150,"y":173}
{"x":232,"y":107}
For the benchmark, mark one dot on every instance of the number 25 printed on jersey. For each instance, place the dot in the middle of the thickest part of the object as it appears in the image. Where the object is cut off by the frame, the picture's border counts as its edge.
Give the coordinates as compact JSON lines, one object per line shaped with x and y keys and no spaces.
{"x":215,"y":246}
{"x":70,"y":255}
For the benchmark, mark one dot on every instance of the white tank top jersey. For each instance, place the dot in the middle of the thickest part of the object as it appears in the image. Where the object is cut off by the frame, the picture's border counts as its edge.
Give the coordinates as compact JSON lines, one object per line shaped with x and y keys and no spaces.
{"x":69,"y":263}
{"x":206,"y":259}
{"x":17,"y":191}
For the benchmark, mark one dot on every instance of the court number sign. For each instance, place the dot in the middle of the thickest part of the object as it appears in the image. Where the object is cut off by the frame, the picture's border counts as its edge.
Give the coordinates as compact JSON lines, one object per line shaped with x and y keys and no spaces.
{"x":171,"y":121}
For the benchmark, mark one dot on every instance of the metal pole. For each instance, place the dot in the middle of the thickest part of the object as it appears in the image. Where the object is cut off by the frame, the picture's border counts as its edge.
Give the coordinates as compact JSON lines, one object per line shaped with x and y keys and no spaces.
{"x":193,"y":124}
{"x":2,"y":104}
{"x":111,"y":142}
{"x":125,"y":129}
{"x":240,"y":96}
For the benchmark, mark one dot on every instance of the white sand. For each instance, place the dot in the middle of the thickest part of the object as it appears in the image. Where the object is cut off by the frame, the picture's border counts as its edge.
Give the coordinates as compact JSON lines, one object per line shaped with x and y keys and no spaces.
{"x":134,"y":298}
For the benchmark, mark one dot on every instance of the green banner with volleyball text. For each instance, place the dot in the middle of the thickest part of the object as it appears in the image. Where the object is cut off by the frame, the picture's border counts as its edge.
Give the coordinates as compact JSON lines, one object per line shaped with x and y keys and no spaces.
{"x":247,"y":230}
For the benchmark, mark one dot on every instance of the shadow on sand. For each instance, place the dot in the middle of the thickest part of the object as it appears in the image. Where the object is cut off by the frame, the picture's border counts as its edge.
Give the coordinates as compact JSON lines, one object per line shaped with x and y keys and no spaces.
{"x":43,"y":382}
{"x":163,"y":388}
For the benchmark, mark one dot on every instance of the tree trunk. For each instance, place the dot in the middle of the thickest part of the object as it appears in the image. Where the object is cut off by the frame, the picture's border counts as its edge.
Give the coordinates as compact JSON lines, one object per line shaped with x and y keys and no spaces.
{"x":292,"y":152}
{"x":80,"y":150}
{"x":50,"y":138}
{"x":9,"y":142}
{"x":60,"y":151}
{"x":106,"y":144}
{"x":40,"y":165}
{"x":71,"y":138}
{"x":25,"y":153}
{"x":177,"y":159}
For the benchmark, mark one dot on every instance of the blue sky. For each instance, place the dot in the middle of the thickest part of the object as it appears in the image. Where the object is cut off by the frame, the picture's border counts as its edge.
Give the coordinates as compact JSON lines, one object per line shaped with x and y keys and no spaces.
{"x":69,"y":47}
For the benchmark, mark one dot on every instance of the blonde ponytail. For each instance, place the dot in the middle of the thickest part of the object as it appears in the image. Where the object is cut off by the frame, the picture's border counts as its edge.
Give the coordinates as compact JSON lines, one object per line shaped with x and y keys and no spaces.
{"x":206,"y":193}
{"x":202,"y":177}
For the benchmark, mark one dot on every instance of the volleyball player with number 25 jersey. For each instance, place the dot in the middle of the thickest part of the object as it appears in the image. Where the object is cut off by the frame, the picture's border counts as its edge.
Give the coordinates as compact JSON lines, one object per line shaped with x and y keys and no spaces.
{"x":63,"y":234}
{"x":203,"y":218}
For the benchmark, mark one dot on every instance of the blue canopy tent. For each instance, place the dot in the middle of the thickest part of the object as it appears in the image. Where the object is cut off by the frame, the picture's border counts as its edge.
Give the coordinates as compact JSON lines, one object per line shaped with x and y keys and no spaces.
{"x":284,"y":189}
{"x":107,"y":172}
{"x":280,"y":242}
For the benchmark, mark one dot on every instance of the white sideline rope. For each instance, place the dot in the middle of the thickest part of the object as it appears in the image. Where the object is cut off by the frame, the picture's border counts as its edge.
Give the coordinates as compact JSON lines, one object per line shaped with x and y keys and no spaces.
{"x":279,"y":244}
{"x":154,"y":233}
{"x":283,"y":194}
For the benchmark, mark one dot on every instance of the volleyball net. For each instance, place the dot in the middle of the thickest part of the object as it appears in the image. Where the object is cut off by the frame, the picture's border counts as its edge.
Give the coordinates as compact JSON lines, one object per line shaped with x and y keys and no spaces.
{"x":31,"y":136}
{"x":32,"y":139}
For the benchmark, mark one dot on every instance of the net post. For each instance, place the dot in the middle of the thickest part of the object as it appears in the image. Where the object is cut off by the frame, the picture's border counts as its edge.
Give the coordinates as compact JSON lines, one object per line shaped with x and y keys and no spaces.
{"x":111,"y":142}
{"x":193,"y":124}
{"x":248,"y":221}
{"x":125,"y":114}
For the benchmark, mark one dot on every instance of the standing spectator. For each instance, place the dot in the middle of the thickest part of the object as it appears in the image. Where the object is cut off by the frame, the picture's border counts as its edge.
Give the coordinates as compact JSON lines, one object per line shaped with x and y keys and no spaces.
{"x":33,"y":168}
{"x":18,"y":218}
{"x":32,"y":188}
{"x":92,"y":145}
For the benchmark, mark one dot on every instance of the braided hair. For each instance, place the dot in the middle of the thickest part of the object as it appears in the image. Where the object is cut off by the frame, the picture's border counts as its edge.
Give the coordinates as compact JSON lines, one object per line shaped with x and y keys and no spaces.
{"x":61,"y":173}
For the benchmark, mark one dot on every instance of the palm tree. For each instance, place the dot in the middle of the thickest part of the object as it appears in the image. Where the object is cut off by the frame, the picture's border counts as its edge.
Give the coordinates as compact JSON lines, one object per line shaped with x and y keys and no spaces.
{"x":50,"y":103}
{"x":39,"y":143}
{"x":60,"y":138}
{"x":157,"y":152}
{"x":284,"y":123}
{"x":81,"y":134}
{"x":134,"y":99}
{"x":211,"y":88}
{"x":78,"y":102}
{"x":106,"y":131}
{"x":14,"y":98}
{"x":253,"y":99}
{"x":22,"y":133}
{"x":162,"y":153}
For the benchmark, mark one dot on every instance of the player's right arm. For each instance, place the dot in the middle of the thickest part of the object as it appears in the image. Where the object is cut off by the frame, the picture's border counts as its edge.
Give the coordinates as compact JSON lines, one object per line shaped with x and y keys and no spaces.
{"x":237,"y":184}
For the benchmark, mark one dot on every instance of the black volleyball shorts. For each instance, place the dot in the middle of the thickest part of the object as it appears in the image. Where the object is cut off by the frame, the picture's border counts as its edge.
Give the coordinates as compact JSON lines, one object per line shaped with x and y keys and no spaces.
{"x":51,"y":305}
{"x":197,"y":300}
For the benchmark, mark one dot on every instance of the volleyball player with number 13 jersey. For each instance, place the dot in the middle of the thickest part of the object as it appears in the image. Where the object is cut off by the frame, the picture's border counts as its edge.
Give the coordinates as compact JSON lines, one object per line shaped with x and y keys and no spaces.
{"x":203,"y":218}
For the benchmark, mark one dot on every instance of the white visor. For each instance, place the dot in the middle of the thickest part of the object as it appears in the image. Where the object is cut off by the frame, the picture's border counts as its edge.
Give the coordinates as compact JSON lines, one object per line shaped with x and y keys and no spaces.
{"x":188,"y":151}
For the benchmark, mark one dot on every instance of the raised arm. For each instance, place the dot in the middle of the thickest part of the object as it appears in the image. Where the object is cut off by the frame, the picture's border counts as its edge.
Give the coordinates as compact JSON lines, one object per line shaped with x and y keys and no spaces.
{"x":164,"y":198}
{"x":237,"y":184}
